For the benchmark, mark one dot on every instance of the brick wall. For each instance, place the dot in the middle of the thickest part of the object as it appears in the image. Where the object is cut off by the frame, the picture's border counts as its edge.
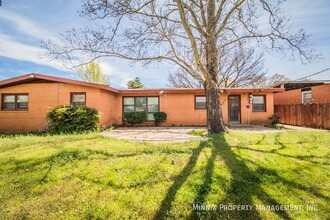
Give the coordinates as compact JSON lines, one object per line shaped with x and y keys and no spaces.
{"x":321,"y":94}
{"x":179,"y":107}
{"x":44,"y":96}
{"x":247,"y":113}
{"x":288,"y":97}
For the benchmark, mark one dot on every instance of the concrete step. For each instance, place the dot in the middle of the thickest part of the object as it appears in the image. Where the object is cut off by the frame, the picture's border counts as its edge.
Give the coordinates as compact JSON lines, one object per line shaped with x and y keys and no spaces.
{"x":237,"y":125}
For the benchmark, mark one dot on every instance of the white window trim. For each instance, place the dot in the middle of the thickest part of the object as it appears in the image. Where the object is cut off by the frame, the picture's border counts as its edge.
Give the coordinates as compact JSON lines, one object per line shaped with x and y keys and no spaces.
{"x":302,"y":96}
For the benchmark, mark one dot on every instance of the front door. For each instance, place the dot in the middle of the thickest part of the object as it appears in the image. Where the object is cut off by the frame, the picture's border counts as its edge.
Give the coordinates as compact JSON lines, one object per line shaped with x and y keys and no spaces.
{"x":234,"y":108}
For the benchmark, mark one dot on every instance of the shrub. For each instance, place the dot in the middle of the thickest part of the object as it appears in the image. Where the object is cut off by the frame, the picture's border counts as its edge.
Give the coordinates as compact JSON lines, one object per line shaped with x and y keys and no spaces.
{"x":160,"y":117}
{"x":73,"y":119}
{"x":274,"y":119}
{"x":135,"y":117}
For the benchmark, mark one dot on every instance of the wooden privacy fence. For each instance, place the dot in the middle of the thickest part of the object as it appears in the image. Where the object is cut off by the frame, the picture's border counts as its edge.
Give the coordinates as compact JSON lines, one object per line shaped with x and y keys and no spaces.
{"x":308,"y":115}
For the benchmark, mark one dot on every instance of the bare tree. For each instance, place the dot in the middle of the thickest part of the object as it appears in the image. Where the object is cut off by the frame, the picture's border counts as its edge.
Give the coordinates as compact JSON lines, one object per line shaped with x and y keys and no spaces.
{"x":182,"y":79}
{"x":276,"y":78}
{"x":189,"y":33}
{"x":267,"y":81}
{"x":240,"y":68}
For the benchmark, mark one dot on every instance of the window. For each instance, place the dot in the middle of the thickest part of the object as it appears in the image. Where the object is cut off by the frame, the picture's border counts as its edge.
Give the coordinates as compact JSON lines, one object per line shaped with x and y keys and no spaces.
{"x":9,"y":102}
{"x":306,"y":97}
{"x":78,"y":99}
{"x":258,"y":103}
{"x":150,"y":105}
{"x":15,"y":102}
{"x":200,"y":102}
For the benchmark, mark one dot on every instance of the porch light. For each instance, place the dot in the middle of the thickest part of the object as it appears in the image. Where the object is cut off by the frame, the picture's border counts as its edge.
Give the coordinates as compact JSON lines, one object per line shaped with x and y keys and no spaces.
{"x":251,"y":98}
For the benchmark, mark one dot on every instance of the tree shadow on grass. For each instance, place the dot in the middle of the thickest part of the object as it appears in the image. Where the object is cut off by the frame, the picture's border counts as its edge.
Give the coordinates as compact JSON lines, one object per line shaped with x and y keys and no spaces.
{"x":44,"y":166}
{"x":245,"y":185}
{"x":179,"y":180}
{"x":67,"y":155}
{"x":273,"y":174}
{"x":304,"y":158}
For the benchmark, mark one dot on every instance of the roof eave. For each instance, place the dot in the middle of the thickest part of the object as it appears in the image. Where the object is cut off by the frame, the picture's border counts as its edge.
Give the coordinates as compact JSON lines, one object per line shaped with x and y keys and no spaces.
{"x":31,"y":76}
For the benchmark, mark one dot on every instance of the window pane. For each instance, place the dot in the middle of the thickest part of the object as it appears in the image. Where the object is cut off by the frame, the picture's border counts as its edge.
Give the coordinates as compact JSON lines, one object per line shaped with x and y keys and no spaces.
{"x":128,"y":101}
{"x":307,"y":97}
{"x":9,"y":106}
{"x":140,"y":104}
{"x":22,"y":98}
{"x":78,"y":98}
{"x":9,"y":102}
{"x":140,"y":101}
{"x":258,"y":99}
{"x":150,"y":117}
{"x":200,"y":99}
{"x":153,"y":108}
{"x":23,"y":105}
{"x":307,"y":100}
{"x":258,"y":103}
{"x":9,"y":98}
{"x":129,"y":108}
{"x":200,"y":105}
{"x":258,"y":107}
{"x":78,"y":103}
{"x":153,"y":104}
{"x":22,"y":102}
{"x":140,"y":109}
{"x":200,"y":102}
{"x":152,"y":100}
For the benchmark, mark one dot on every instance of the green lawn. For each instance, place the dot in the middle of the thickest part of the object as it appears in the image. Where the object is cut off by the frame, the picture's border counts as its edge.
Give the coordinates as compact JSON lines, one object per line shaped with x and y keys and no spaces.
{"x":92,"y":177}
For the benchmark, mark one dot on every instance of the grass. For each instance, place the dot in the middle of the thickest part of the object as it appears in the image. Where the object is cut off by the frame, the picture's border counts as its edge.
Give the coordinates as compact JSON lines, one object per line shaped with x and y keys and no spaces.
{"x":277,"y":126}
{"x":199,"y":132}
{"x":92,"y":177}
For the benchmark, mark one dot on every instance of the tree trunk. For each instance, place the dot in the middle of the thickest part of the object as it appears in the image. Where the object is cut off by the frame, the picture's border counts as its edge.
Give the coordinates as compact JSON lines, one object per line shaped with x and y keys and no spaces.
{"x":215,"y":123}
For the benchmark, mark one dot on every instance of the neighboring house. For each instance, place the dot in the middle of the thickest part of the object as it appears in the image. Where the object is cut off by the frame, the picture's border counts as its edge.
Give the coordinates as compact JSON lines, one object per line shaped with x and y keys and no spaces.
{"x":303,"y":92}
{"x":25,"y":101}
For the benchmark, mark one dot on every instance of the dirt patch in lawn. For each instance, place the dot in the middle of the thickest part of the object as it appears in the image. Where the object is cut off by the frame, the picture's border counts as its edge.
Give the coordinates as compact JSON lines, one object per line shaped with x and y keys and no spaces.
{"x":154,"y":134}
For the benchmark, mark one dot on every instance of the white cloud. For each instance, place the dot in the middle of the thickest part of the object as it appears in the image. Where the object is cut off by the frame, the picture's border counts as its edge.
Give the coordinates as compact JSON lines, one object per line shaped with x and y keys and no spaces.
{"x":10,"y":48}
{"x":26,"y":26}
{"x":17,"y":49}
{"x":118,"y":77}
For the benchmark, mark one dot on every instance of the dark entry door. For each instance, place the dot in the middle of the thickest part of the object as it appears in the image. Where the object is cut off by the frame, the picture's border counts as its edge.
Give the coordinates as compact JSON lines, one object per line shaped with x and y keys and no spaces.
{"x":234,"y":108}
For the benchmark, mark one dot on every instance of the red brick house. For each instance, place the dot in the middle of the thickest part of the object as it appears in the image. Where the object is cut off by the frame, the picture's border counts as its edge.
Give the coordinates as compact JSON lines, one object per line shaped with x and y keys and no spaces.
{"x":25,"y":101}
{"x":303,"y":92}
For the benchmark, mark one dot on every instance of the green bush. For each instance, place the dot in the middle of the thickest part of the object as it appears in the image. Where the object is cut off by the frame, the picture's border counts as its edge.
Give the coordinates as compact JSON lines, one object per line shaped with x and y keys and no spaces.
{"x":274,"y":119}
{"x":135,"y":117}
{"x":160,"y":117}
{"x":73,"y":119}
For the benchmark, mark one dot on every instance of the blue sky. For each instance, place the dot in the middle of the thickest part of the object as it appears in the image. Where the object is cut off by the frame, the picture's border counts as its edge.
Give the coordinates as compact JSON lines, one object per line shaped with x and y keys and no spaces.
{"x":25,"y":23}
